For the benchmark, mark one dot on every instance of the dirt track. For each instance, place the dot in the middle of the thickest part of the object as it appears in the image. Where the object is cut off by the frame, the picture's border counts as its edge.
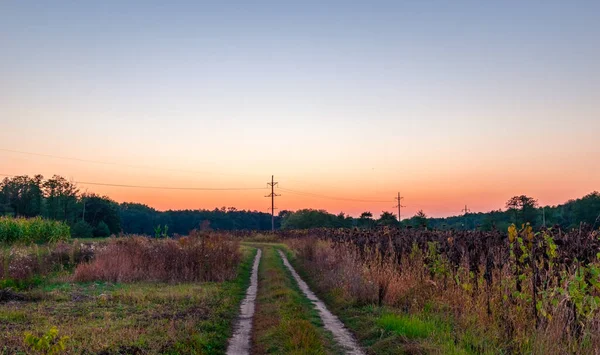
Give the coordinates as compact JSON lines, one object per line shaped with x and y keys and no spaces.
{"x":244,"y":341}
{"x":239,"y":344}
{"x":342,"y":336}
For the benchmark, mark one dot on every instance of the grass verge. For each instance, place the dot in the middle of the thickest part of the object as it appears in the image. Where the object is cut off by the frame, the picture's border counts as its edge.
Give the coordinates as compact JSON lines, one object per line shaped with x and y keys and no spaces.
{"x":106,"y":318}
{"x":388,"y":330}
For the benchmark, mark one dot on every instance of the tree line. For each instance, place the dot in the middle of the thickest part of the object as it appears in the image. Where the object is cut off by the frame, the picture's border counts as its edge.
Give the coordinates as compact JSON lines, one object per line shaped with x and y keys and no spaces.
{"x":92,"y":215}
{"x":519,"y":210}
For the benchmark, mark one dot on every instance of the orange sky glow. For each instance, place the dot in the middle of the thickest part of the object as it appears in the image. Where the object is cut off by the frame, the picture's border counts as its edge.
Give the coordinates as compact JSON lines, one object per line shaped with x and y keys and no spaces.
{"x":448,"y":103}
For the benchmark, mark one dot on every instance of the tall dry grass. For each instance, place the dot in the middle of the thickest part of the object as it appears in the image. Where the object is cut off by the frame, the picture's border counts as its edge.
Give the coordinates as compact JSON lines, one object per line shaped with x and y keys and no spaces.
{"x":493,"y":311}
{"x":24,"y":262}
{"x":198,"y":257}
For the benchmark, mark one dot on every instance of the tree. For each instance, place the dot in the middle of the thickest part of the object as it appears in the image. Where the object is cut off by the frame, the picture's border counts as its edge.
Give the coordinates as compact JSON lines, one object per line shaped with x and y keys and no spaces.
{"x":420,"y":219}
{"x":587,"y":209}
{"x":387,"y":219}
{"x":343,"y":221}
{"x":61,"y":199}
{"x":366,"y":220}
{"x":309,"y":218}
{"x":523,"y":209}
{"x":82,"y":230}
{"x":102,"y":209}
{"x":101,"y":230}
{"x":22,"y":195}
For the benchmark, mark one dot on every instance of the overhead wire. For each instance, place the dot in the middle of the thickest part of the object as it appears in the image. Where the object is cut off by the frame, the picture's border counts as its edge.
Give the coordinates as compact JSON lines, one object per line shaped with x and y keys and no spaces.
{"x":291,"y":191}
{"x":163,"y":187}
{"x":148,"y":167}
{"x":310,"y":194}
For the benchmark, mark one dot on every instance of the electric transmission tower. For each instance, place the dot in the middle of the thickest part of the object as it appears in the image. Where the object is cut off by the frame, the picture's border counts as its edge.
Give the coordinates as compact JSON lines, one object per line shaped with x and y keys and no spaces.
{"x":272,"y":195}
{"x":465,"y":210}
{"x":399,"y":205}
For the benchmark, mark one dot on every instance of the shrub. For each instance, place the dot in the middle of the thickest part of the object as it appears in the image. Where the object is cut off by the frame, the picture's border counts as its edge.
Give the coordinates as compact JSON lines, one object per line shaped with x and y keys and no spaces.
{"x":82,"y":229}
{"x":24,"y":266}
{"x":193,"y":258}
{"x":32,"y":230}
{"x":101,"y":230}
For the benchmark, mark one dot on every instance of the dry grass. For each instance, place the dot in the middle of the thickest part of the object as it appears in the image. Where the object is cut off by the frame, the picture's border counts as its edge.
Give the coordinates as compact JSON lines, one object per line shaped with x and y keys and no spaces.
{"x":20,"y":265}
{"x":128,"y":318}
{"x":194,"y":258}
{"x":483,"y":317}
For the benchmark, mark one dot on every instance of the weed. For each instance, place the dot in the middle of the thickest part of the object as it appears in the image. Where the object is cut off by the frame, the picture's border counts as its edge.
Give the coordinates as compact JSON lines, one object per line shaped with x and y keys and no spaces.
{"x":49,"y":343}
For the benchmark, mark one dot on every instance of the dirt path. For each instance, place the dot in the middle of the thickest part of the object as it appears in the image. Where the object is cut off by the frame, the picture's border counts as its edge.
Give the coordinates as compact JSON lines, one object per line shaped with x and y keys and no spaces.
{"x":239,"y":344}
{"x":285,"y":321}
{"x":331,"y":322}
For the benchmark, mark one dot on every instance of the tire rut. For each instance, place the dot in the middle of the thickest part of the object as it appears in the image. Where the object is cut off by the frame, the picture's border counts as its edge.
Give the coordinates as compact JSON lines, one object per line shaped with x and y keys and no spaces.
{"x":239,"y":343}
{"x":340,"y":333}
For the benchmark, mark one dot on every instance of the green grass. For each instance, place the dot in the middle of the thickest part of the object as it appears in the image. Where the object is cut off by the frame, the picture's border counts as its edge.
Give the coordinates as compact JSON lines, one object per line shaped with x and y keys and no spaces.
{"x":128,"y":318}
{"x":285,"y":321}
{"x":408,"y":326}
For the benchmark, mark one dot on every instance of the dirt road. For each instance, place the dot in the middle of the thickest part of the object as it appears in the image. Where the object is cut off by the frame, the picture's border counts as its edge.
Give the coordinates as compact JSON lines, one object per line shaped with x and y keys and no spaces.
{"x":281,"y":315}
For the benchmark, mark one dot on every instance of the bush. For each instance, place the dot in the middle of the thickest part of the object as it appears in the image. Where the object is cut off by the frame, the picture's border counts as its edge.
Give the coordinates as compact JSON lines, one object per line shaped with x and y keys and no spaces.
{"x":82,"y":229}
{"x":101,"y":230}
{"x":193,"y":258}
{"x":23,"y":266}
{"x":32,"y":230}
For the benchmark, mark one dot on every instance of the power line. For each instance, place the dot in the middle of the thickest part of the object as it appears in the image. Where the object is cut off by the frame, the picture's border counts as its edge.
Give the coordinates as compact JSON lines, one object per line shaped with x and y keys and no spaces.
{"x":309,"y":194}
{"x":173,"y":188}
{"x":294,"y":192}
{"x":163,"y":187}
{"x":171,"y":169}
{"x":148,"y":167}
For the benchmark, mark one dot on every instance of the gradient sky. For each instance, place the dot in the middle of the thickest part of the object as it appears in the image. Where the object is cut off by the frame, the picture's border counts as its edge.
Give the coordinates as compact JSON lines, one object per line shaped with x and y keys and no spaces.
{"x":449,"y":102}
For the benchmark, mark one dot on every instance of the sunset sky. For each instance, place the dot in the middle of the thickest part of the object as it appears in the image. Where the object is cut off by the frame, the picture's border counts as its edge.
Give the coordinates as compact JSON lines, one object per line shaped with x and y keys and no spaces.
{"x":448,"y":102}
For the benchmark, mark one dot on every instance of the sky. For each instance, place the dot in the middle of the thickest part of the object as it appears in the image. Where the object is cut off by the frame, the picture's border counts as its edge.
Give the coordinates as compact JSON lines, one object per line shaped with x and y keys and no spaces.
{"x":346,"y":103}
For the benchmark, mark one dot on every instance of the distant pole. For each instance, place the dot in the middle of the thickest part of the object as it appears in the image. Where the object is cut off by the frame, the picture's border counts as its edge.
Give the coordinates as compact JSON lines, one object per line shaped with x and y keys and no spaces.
{"x":272,"y":195}
{"x":399,"y":199}
{"x":465,"y":210}
{"x":84,"y":197}
{"x":544,"y":216}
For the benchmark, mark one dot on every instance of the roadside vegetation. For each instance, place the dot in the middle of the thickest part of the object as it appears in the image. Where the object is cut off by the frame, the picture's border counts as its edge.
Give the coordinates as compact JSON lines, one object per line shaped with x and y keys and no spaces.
{"x":186,"y":304}
{"x":209,"y":257}
{"x":459,"y":292}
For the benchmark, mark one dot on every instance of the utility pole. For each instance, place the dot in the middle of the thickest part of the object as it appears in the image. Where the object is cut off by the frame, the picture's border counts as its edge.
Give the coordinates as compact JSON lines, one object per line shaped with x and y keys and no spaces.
{"x":544,"y":216}
{"x":272,"y":195}
{"x":84,"y":201}
{"x":399,"y":205}
{"x":465,"y":210}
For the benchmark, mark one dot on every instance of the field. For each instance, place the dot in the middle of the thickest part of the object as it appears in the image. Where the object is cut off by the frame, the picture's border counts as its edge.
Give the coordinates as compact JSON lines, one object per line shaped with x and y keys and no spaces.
{"x":393,"y":291}
{"x":459,"y":292}
{"x":102,"y":298}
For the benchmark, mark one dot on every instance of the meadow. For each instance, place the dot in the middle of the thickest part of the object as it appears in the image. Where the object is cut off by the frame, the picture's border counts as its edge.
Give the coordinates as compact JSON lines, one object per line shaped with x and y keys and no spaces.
{"x":413,"y":291}
{"x":128,"y":295}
